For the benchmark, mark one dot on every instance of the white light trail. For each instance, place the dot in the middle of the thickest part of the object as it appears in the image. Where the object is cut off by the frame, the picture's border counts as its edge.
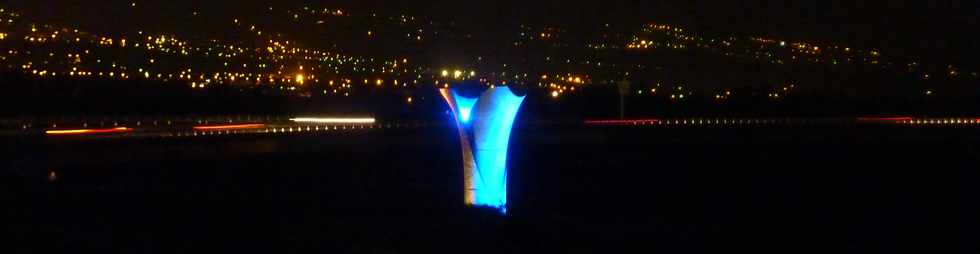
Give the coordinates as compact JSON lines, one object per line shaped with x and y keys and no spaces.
{"x":332,"y":120}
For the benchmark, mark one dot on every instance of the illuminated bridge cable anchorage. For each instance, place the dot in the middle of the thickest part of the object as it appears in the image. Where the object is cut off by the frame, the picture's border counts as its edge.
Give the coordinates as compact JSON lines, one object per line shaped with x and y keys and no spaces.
{"x":484,"y":126}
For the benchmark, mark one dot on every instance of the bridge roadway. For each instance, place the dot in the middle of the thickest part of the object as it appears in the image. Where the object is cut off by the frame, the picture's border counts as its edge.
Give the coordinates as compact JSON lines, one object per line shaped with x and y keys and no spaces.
{"x":168,"y":127}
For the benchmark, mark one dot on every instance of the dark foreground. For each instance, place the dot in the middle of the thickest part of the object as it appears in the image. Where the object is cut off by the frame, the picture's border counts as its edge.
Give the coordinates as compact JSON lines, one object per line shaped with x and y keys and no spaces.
{"x":572,"y":190}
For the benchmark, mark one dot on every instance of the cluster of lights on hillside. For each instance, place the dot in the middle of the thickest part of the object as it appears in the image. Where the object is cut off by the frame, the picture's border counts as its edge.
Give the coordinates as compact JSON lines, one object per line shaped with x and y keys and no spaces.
{"x":47,"y":51}
{"x":774,"y":51}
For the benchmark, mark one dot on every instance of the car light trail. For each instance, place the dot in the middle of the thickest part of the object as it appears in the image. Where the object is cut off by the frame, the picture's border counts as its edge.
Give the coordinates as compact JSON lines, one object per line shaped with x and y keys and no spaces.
{"x":88,"y":131}
{"x":884,"y":119}
{"x":229,"y":127}
{"x":332,"y":120}
{"x":622,"y":122}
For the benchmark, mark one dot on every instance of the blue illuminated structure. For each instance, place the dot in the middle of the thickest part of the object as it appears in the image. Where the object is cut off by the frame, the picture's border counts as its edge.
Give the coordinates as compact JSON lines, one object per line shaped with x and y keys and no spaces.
{"x":484,"y":126}
{"x":464,"y":106}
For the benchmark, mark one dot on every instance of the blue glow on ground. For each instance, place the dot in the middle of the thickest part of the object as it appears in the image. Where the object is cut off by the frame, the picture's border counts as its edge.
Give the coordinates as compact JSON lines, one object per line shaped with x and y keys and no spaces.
{"x":465,"y":106}
{"x":496,"y":111}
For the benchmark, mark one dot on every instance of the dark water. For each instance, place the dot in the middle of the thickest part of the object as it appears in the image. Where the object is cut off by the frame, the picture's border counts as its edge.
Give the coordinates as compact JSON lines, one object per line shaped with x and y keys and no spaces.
{"x":572,"y":190}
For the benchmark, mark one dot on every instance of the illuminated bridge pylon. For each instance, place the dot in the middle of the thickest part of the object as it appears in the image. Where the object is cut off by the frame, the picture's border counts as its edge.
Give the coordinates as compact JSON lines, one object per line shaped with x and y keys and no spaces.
{"x":484,"y":126}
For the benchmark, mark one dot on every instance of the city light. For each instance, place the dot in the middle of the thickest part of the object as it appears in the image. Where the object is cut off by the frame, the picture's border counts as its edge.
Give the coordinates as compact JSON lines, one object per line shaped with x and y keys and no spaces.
{"x":268,"y":61}
{"x":260,"y":65}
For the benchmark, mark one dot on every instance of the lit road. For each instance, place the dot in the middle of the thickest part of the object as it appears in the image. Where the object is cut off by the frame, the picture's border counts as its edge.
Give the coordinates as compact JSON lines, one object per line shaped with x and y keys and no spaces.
{"x":188,"y":127}
{"x":284,"y":125}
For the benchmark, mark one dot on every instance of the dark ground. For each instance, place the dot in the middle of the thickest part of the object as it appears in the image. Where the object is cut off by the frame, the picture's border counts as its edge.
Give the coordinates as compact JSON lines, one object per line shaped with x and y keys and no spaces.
{"x":572,"y":190}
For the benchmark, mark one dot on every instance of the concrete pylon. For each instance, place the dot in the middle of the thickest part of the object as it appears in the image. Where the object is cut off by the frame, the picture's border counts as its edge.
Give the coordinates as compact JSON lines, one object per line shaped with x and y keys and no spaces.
{"x":484,"y":126}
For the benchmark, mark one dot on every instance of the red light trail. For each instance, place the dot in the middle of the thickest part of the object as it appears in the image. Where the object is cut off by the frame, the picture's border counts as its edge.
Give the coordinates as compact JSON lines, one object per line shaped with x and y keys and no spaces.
{"x":884,"y":119}
{"x":88,"y":131}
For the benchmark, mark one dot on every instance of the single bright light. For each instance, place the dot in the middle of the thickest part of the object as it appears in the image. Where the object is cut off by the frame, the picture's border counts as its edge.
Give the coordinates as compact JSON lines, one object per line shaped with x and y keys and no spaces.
{"x":332,"y":120}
